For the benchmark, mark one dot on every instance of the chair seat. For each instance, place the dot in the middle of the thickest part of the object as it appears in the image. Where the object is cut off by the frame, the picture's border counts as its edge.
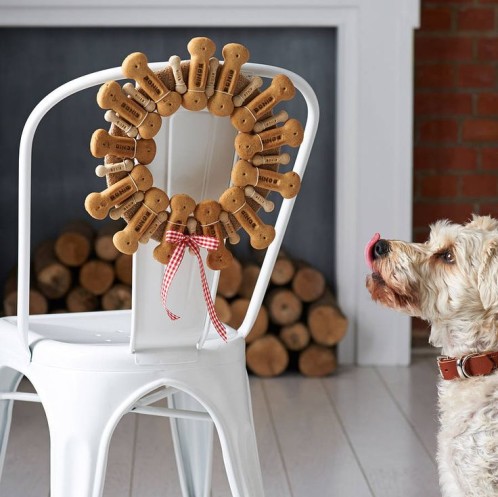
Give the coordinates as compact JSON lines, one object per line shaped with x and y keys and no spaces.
{"x":100,"y":341}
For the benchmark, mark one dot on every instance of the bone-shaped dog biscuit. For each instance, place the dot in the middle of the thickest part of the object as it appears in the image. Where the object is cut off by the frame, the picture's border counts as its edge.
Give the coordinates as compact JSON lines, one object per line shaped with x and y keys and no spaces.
{"x":110,"y":96}
{"x":208,"y":214}
{"x":126,"y":240}
{"x":181,"y":206}
{"x":98,"y":204}
{"x":167,"y":101}
{"x":213,"y":71}
{"x":116,"y":167}
{"x":287,"y":184}
{"x":200,"y":49}
{"x":260,"y":234}
{"x":233,"y":236}
{"x":161,"y":218}
{"x":281,"y":88}
{"x":235,"y":55}
{"x":111,"y":117}
{"x":176,"y":66}
{"x":267,"y":205}
{"x":119,"y":210}
{"x":140,"y":98}
{"x":281,"y":117}
{"x":291,"y":133}
{"x":263,"y":160}
{"x":254,"y":84}
{"x":102,"y":143}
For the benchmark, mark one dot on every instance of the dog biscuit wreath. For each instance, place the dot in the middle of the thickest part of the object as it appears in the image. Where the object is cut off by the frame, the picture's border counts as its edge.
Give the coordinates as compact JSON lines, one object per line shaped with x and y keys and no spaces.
{"x":136,"y":113}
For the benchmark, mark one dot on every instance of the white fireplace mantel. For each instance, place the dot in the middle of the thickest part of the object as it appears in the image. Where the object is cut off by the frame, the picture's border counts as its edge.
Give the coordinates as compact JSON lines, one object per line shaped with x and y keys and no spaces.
{"x":374,"y":122}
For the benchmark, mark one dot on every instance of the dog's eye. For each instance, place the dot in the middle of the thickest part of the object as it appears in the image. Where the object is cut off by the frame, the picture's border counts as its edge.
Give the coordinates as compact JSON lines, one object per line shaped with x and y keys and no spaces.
{"x":447,"y":257}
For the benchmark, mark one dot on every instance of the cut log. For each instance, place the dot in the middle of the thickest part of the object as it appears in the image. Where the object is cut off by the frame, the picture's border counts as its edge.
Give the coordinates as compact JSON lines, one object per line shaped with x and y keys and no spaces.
{"x":53,"y":278}
{"x":222,"y":308}
{"x":317,"y":361}
{"x":79,"y":299}
{"x":38,"y":303}
{"x":123,"y":266}
{"x":308,"y":283}
{"x":104,"y":246}
{"x":116,"y":298}
{"x":326,"y":322}
{"x":283,"y":306}
{"x":230,"y":280}
{"x":250,"y":273}
{"x":74,"y":244}
{"x":283,"y":271}
{"x":295,"y":336}
{"x":96,"y":276}
{"x":267,"y":356}
{"x":238,"y":310}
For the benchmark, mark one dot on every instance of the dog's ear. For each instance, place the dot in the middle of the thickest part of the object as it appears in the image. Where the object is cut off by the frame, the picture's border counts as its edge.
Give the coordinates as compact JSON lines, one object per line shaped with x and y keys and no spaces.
{"x":487,"y":276}
{"x":486,"y":223}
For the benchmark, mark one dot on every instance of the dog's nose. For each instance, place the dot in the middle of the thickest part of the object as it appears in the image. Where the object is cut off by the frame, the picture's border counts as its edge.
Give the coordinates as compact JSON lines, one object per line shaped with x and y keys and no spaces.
{"x":381,"y":249}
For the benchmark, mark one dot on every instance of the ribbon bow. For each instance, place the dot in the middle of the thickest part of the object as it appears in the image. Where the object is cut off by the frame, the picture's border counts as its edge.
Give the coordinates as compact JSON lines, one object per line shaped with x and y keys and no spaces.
{"x":183,"y":241}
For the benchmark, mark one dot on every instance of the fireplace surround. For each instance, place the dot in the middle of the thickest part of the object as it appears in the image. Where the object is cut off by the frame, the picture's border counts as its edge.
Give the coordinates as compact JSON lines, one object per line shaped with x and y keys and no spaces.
{"x":373,"y":182}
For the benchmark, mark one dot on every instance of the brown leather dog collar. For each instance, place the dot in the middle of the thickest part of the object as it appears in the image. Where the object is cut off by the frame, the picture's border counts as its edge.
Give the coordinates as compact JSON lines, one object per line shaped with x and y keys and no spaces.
{"x":479,"y":364}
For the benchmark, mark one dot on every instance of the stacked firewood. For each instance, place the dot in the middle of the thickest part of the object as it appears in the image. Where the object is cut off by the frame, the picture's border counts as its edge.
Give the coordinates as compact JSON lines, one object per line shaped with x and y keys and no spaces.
{"x":298,"y":325}
{"x":79,"y":271}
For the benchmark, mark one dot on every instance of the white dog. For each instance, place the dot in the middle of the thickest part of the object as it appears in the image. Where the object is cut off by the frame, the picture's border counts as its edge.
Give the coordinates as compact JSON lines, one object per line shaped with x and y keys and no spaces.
{"x":452,"y":282}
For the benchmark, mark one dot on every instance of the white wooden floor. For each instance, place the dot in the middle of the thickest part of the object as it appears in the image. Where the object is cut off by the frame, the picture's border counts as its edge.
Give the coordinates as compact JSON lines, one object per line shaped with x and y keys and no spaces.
{"x":363,"y":432}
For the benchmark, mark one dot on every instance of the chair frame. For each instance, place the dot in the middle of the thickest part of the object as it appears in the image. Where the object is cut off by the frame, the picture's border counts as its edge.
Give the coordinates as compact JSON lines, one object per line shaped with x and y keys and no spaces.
{"x":180,"y":407}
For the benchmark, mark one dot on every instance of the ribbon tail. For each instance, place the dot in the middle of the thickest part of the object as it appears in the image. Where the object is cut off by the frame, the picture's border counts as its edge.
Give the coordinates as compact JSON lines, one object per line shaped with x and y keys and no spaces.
{"x":218,"y":325}
{"x":169,"y":274}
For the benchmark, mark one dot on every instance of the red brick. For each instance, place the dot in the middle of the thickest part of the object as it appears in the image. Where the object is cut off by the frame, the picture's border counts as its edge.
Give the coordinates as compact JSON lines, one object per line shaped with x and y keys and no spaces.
{"x":448,"y":48}
{"x":489,"y":158}
{"x":487,"y":104}
{"x":435,"y":76}
{"x":476,"y":19}
{"x":480,"y":130}
{"x":487,"y":49}
{"x":488,"y":1}
{"x":435,"y":19}
{"x":421,"y":234}
{"x":427,"y":213}
{"x":439,"y":186}
{"x":439,"y":130}
{"x":443,"y":104}
{"x":479,"y":185}
{"x":476,"y":76}
{"x":489,"y":209}
{"x":444,"y":158}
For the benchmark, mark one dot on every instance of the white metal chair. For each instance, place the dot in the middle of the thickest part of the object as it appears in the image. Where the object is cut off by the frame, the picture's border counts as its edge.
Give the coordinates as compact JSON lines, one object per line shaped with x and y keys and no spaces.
{"x":90,"y":369}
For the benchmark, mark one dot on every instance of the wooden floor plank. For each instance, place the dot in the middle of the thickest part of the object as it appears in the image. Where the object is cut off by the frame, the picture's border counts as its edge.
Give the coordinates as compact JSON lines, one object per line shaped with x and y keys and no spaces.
{"x":390,"y":453}
{"x":120,"y":462}
{"x":154,"y":471}
{"x":317,"y":456}
{"x":415,"y":391}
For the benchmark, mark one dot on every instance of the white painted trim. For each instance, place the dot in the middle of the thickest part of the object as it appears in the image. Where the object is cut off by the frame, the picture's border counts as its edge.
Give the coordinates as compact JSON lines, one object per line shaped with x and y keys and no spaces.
{"x":374,"y":122}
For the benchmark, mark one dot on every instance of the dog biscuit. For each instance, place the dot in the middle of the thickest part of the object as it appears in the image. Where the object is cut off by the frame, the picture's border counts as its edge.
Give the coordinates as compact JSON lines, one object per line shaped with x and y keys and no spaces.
{"x":291,"y":133}
{"x":281,"y":88}
{"x":266,"y":204}
{"x":120,"y":209}
{"x":181,"y":207}
{"x":200,"y":50}
{"x":234,"y":55}
{"x":213,"y":71}
{"x":264,"y":160}
{"x":139,"y":97}
{"x":116,"y":167}
{"x":208,"y":214}
{"x":281,"y":117}
{"x":111,"y":117}
{"x":287,"y":184}
{"x":98,"y":204}
{"x":102,"y":143}
{"x":176,"y":66}
{"x":167,"y":101}
{"x":253,"y":85}
{"x":110,"y":96}
{"x":233,"y":236}
{"x":126,"y":240}
{"x":260,"y":234}
{"x":161,"y":218}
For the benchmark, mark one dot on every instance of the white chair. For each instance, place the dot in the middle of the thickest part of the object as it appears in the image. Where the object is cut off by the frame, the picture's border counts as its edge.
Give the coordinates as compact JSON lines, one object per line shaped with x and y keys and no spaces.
{"x":90,"y":369}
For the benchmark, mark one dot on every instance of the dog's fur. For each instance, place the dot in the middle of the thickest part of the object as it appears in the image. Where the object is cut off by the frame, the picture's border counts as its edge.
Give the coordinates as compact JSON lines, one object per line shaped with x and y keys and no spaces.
{"x":452,"y":282}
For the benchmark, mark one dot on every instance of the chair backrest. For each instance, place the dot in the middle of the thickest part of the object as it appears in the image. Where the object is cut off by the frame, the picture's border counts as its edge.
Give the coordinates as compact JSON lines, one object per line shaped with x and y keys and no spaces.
{"x":195,"y":154}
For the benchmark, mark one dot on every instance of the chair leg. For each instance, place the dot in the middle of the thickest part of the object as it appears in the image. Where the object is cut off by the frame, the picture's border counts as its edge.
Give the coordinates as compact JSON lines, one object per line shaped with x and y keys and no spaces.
{"x":193,"y":442}
{"x":9,"y":381}
{"x":82,"y":411}
{"x":228,"y":400}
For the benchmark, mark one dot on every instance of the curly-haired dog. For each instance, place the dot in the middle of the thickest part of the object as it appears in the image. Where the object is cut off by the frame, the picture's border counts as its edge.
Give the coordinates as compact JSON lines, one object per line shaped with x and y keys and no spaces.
{"x":452,"y":282}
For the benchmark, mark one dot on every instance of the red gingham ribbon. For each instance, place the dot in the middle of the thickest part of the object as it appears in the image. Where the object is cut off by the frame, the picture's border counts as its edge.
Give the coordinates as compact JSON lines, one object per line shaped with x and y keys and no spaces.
{"x":183,"y":241}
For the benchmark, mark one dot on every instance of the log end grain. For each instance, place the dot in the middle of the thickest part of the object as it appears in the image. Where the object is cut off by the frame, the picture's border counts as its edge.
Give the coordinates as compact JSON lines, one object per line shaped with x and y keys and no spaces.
{"x":308,"y":284}
{"x":96,"y":276}
{"x":295,"y":336}
{"x":267,"y":356}
{"x":317,"y":361}
{"x":230,"y":279}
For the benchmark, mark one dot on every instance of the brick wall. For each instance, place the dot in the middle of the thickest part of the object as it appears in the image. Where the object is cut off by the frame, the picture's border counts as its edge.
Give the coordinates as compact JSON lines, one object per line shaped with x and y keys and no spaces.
{"x":456,"y":116}
{"x":456,"y":112}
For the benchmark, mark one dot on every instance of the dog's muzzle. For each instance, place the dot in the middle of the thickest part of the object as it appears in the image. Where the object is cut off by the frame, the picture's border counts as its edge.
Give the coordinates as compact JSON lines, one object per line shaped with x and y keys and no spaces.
{"x":381,"y":249}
